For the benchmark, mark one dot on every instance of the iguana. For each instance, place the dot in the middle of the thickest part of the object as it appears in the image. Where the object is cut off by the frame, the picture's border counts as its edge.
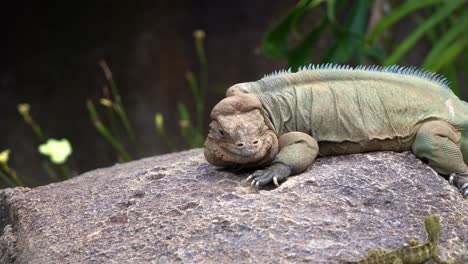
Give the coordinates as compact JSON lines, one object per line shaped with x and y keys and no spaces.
{"x":415,"y":253}
{"x":282,"y":122}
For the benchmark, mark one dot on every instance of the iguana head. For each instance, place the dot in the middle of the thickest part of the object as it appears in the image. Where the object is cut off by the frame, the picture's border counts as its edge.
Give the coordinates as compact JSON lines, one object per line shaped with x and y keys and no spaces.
{"x":239,"y":134}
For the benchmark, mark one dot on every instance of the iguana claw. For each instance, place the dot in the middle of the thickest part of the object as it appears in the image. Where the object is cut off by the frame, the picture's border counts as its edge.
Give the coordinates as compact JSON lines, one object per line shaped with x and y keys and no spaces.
{"x":464,"y":189}
{"x":451,"y":178}
{"x":275,"y":181}
{"x":275,"y":173}
{"x":462,"y":185}
{"x":246,"y":182}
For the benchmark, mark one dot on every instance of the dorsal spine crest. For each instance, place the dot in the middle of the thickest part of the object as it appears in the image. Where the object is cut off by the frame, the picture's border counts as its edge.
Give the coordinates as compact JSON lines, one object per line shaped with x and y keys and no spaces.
{"x":411,"y":71}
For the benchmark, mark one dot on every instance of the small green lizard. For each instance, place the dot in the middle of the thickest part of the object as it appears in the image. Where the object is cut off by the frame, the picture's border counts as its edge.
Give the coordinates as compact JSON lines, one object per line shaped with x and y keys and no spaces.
{"x":415,"y":253}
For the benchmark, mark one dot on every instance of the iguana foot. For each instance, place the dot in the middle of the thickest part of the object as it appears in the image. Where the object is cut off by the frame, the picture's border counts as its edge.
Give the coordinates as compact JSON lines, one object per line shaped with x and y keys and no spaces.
{"x":460,"y":180}
{"x":275,"y":173}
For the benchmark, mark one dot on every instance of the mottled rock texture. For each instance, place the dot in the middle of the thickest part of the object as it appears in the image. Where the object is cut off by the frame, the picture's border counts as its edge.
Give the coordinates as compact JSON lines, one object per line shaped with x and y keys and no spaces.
{"x":179,"y":208}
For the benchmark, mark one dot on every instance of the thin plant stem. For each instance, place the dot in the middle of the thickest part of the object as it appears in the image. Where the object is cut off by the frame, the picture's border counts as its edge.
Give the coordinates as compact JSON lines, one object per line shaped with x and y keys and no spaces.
{"x":32,"y":123}
{"x":192,"y":81}
{"x":200,"y":104}
{"x":110,"y":113}
{"x":119,"y":108}
{"x":193,"y":84}
{"x":38,"y":131}
{"x":105,"y":132}
{"x":23,"y":109}
{"x":123,"y":117}
{"x":7,"y":179}
{"x":64,"y":171}
{"x":48,"y":169}
{"x":159,"y":125}
{"x":13,"y":175}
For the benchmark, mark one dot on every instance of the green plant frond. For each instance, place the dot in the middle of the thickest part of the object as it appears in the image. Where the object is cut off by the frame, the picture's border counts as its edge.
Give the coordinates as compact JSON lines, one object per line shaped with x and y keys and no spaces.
{"x":301,"y":54}
{"x":397,"y":14}
{"x":460,"y":24}
{"x":350,"y":39}
{"x":331,"y":11}
{"x":450,"y":71}
{"x":296,"y":22}
{"x":102,"y":129}
{"x":7,"y":179}
{"x":275,"y":41}
{"x":183,"y":112}
{"x":447,"y":10}
{"x":375,"y":52}
{"x":450,"y":54}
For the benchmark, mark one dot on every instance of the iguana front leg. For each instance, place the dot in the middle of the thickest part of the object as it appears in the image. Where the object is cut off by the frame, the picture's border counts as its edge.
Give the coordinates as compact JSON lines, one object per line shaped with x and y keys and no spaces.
{"x":297,"y":151}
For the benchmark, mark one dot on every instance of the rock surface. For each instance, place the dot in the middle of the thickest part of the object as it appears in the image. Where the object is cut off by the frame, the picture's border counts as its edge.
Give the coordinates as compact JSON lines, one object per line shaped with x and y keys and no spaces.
{"x":179,"y":208}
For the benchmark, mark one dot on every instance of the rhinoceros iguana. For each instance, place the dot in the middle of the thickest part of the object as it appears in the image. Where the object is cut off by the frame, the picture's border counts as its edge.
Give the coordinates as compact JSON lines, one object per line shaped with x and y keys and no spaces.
{"x":283,"y":121}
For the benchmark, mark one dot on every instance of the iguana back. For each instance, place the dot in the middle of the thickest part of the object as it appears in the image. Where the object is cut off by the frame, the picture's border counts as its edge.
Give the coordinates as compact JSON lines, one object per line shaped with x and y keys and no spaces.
{"x":336,"y":104}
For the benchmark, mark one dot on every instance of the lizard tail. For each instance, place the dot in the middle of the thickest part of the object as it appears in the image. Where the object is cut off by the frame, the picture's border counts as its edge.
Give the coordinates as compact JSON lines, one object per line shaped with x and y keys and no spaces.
{"x":432,"y":225}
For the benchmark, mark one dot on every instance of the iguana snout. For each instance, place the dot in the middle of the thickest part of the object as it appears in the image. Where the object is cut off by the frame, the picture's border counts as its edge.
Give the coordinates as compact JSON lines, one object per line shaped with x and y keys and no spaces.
{"x":249,"y":147}
{"x":238,"y":133}
{"x":241,"y":134}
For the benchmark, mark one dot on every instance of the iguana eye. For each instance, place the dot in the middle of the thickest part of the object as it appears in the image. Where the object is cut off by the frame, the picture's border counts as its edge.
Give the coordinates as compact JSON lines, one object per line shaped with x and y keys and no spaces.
{"x":221,"y":132}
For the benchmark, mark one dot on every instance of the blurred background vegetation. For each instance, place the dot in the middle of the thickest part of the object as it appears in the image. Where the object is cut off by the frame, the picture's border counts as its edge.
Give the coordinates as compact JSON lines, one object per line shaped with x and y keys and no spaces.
{"x":362,"y":32}
{"x":91,"y":84}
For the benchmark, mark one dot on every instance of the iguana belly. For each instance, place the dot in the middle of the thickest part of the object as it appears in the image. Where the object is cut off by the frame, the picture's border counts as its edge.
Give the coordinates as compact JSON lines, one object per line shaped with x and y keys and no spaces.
{"x":329,"y":148}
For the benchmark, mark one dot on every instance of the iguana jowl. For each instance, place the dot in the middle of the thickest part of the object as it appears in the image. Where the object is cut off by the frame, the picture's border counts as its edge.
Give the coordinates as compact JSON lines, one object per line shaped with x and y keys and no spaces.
{"x":282,"y":122}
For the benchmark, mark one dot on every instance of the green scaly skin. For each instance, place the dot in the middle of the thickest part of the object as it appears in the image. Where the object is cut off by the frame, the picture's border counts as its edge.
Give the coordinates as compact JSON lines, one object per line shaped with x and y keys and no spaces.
{"x":281,"y":123}
{"x":414,"y":253}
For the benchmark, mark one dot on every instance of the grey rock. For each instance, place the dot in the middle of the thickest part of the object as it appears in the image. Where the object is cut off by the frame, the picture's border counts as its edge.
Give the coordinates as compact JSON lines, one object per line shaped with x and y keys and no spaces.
{"x":179,"y":208}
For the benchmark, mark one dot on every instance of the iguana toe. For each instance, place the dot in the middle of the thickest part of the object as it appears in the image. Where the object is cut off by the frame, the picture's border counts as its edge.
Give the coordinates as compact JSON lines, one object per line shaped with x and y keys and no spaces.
{"x":275,"y":181}
{"x":246,"y":182}
{"x":464,"y":190}
{"x":460,"y":180}
{"x":275,"y":173}
{"x":267,"y":178}
{"x":263,"y":177}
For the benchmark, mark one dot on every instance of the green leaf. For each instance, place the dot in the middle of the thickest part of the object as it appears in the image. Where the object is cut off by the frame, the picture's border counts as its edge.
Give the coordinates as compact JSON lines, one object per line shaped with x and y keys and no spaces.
{"x":6,"y":179}
{"x":450,"y":53}
{"x":193,"y":84}
{"x":397,"y":14}
{"x":102,"y":129}
{"x":459,"y":27}
{"x":451,"y":73}
{"x":411,"y":40}
{"x":275,"y":42}
{"x":183,"y":112}
{"x":331,"y":10}
{"x":301,"y":54}
{"x":298,"y":18}
{"x":376,"y":53}
{"x":349,"y":41}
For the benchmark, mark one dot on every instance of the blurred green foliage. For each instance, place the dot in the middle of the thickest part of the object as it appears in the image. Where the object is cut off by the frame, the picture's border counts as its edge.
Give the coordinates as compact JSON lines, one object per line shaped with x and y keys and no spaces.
{"x":7,"y":174}
{"x":355,"y":41}
{"x":357,"y":32}
{"x":58,"y":152}
{"x":193,"y":131}
{"x":113,"y":131}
